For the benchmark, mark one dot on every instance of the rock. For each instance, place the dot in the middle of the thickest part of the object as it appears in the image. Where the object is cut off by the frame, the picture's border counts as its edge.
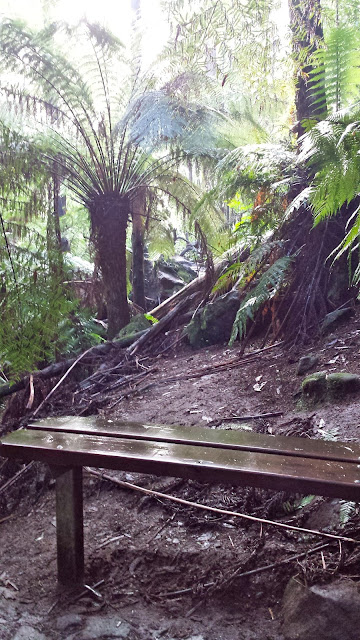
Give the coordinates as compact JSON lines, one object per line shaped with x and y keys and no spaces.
{"x":213,"y":323}
{"x":314,"y":387}
{"x":326,"y":516}
{"x":333,"y":386}
{"x":136,"y":324}
{"x":104,"y":628}
{"x":169,"y":281}
{"x":165,"y":277}
{"x":340,"y":384}
{"x":333,"y":319}
{"x":306,"y":363}
{"x":321,"y":612}
{"x":28,"y":633}
{"x":68,"y":622}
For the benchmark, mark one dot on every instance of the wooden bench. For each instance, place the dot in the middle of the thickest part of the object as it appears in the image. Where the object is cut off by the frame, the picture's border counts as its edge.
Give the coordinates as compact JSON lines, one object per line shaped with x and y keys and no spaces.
{"x":283,"y":463}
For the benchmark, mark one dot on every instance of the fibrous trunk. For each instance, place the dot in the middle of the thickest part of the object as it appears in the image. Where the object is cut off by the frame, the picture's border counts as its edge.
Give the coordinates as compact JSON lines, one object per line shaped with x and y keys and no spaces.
{"x":109,"y":218}
{"x":138,"y":211}
{"x":307,"y":37}
{"x":315,"y":288}
{"x":53,"y":233}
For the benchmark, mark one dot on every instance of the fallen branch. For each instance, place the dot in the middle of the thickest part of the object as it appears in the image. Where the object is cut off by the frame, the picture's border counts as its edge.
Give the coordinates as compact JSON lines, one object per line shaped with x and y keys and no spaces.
{"x":60,"y":382}
{"x":159,"y":326}
{"x":225,"y":512}
{"x":58,"y":368}
{"x":197,"y":285}
{"x":227,"y":364}
{"x":258,"y":416}
{"x":191,"y":376}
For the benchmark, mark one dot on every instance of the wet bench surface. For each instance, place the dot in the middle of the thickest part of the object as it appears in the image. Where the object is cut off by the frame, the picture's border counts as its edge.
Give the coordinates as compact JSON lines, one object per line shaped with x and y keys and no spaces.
{"x":234,"y":457}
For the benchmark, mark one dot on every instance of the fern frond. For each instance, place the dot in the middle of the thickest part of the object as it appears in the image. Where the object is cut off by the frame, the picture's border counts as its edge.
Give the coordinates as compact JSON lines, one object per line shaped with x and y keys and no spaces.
{"x":299,"y":200}
{"x":268,"y":285}
{"x":338,"y":68}
{"x":238,"y":273}
{"x":347,"y":510}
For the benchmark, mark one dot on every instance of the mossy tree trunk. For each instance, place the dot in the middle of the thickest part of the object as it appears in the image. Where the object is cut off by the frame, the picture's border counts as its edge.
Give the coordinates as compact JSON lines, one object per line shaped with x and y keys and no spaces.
{"x":109,"y":218}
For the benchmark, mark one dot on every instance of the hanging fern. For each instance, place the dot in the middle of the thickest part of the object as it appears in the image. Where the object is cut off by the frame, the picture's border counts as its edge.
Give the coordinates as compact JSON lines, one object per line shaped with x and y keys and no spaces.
{"x":268,"y":285}
{"x":337,"y":67}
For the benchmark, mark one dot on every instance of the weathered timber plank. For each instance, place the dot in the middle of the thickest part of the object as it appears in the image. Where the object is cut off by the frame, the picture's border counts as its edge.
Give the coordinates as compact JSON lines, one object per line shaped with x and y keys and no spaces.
{"x":241,"y":440}
{"x":271,"y":471}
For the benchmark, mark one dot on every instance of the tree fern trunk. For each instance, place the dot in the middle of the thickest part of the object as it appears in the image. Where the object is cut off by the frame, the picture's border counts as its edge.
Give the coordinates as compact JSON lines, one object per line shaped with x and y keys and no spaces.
{"x":109,"y":218}
{"x":138,"y":212}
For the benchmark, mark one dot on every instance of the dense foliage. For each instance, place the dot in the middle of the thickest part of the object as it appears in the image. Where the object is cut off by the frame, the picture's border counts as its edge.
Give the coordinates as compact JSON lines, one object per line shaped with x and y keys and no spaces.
{"x":224,"y":142}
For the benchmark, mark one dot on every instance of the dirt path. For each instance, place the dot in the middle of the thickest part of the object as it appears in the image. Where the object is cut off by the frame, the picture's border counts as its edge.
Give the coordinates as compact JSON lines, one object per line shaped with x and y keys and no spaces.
{"x":152,"y":558}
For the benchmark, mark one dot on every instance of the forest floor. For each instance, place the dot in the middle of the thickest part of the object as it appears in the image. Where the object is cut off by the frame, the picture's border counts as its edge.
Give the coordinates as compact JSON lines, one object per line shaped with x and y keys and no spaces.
{"x":152,"y":558}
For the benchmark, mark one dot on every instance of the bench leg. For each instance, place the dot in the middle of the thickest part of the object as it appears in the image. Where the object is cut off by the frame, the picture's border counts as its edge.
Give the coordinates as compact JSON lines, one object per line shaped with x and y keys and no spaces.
{"x":69,"y":525}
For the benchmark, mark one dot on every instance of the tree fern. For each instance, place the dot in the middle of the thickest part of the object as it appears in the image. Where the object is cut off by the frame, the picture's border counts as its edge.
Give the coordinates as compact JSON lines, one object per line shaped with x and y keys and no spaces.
{"x":331,"y":151}
{"x":112,"y":131}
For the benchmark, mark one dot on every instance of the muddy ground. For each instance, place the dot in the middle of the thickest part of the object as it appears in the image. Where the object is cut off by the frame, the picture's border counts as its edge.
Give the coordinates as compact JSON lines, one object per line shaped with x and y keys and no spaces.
{"x":165,"y":570}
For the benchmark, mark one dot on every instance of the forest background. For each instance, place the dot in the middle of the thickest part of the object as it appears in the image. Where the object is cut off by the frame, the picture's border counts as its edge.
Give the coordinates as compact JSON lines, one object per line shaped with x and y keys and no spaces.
{"x":228,"y":127}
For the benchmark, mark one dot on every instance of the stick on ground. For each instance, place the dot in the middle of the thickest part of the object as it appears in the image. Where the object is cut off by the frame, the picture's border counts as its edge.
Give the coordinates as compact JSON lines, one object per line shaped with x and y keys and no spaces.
{"x":158,"y":494}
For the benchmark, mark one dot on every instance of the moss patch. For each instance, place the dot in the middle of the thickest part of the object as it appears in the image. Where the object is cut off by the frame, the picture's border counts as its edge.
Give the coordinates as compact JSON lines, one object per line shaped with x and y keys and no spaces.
{"x":136,"y":324}
{"x":314,"y":387}
{"x":340,"y":384}
{"x":213,"y":323}
{"x":321,"y":386}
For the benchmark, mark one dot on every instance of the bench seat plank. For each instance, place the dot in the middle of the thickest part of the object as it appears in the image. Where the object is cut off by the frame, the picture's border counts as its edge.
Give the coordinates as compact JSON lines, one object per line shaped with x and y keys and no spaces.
{"x":203,"y":436}
{"x":271,"y":471}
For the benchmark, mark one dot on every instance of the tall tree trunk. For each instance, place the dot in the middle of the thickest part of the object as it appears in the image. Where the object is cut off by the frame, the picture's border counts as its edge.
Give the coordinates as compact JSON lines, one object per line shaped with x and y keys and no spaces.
{"x":138,"y":207}
{"x":306,"y":300}
{"x":307,"y":37}
{"x":53,"y":233}
{"x":109,"y":217}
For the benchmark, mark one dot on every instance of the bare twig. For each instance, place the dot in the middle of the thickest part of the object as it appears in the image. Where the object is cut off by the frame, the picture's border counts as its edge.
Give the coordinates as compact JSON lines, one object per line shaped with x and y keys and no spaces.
{"x":60,"y":381}
{"x":93,"y":591}
{"x":114,"y":539}
{"x":7,"y":518}
{"x":258,"y":416}
{"x":16,"y":476}
{"x":158,"y":494}
{"x":32,"y":393}
{"x":161,"y":528}
{"x":86,"y":591}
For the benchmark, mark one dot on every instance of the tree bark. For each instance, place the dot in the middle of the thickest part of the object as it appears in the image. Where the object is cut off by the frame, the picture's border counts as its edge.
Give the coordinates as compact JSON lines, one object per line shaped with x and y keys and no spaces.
{"x":109,"y":217}
{"x":53,"y":233}
{"x":138,"y":206}
{"x":307,"y":37}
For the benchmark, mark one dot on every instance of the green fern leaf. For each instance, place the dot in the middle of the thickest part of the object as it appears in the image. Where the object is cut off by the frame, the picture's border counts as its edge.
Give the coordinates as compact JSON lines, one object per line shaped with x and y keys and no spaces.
{"x":268,"y":285}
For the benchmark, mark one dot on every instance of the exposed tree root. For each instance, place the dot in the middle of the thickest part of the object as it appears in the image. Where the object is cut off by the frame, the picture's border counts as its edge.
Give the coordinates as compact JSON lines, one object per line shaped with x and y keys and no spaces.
{"x":309,"y":297}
